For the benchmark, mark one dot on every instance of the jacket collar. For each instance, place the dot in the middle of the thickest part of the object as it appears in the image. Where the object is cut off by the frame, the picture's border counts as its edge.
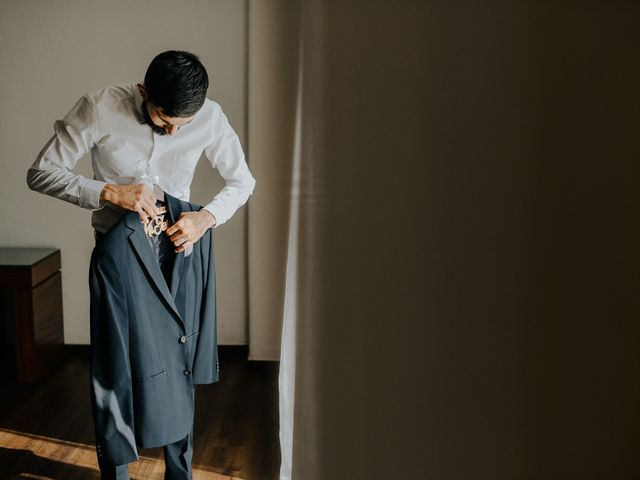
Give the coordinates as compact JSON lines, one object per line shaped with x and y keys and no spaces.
{"x":142,"y":247}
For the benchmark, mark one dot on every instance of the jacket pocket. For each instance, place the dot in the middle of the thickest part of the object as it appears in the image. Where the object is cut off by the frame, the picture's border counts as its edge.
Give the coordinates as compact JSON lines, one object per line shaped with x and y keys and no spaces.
{"x":192,"y":334}
{"x":150,"y":378}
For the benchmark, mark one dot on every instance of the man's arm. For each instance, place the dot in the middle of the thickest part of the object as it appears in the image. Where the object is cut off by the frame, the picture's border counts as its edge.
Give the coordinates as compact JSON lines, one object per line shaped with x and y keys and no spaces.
{"x":74,"y":137}
{"x":224,"y":152}
{"x":51,"y":173}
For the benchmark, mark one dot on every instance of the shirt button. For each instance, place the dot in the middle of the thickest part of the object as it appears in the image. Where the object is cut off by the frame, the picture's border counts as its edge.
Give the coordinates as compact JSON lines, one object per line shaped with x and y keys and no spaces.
{"x":183,"y":339}
{"x":187,"y":372}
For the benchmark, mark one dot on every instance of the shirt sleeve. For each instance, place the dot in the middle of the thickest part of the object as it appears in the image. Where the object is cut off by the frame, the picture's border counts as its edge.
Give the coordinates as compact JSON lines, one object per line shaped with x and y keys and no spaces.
{"x":225,"y":154}
{"x":74,"y":137}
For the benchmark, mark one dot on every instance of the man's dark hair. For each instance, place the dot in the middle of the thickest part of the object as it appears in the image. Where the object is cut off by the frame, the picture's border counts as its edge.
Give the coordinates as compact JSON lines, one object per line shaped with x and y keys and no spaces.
{"x":176,"y":82}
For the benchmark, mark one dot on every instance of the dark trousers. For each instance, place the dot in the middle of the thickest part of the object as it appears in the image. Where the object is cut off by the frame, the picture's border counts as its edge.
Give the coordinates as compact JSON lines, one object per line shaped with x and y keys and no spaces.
{"x":177,"y":461}
{"x":178,"y":455}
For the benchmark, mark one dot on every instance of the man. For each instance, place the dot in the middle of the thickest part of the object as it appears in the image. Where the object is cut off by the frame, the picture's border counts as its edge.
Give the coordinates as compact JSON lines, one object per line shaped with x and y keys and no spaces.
{"x":146,"y":139}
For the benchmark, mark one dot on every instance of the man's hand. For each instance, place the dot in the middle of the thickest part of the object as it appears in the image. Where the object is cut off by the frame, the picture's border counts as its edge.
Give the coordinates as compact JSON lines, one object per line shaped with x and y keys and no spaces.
{"x":137,"y":197}
{"x":189,"y":228}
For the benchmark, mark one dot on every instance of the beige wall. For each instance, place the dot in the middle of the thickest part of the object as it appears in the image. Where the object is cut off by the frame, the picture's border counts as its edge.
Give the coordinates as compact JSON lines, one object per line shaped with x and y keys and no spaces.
{"x":53,"y":52}
{"x":273,"y":66}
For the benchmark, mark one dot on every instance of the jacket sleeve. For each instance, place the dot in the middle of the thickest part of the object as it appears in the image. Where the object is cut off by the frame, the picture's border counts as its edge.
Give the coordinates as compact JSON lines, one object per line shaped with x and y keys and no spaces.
{"x":111,"y":388}
{"x":206,"y":366}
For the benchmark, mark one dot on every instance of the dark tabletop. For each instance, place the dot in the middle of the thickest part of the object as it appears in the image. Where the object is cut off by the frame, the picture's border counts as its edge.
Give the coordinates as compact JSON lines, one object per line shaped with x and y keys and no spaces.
{"x":24,"y":257}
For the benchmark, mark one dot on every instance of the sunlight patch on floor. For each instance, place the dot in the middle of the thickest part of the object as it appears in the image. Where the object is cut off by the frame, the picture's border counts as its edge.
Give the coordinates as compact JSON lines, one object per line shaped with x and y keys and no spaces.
{"x":84,"y":456}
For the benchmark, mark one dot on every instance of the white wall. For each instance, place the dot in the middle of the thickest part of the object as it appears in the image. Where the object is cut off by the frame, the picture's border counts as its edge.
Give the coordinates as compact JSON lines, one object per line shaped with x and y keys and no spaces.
{"x":53,"y":52}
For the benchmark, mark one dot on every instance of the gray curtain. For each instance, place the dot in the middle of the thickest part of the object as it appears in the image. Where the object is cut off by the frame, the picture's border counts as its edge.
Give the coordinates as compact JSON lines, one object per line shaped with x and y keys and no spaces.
{"x":461,"y":241}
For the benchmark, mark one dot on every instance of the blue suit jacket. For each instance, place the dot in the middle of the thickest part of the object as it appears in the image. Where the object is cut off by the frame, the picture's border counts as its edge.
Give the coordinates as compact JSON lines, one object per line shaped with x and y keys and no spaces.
{"x":150,"y":342}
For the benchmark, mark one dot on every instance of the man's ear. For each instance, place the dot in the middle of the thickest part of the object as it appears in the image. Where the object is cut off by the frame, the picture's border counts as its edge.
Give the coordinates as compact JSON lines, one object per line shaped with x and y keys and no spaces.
{"x":142,"y":90}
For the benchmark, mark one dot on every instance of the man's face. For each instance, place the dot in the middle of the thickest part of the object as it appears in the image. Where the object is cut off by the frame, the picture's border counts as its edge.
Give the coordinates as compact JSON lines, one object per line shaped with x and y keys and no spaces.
{"x":160,"y":123}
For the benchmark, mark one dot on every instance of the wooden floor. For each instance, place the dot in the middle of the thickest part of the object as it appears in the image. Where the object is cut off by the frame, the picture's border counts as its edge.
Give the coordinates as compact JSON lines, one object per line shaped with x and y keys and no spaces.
{"x":46,"y":430}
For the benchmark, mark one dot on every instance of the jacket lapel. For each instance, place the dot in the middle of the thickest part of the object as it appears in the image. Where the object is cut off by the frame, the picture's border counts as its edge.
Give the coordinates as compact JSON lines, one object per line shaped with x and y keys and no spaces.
{"x":173,"y":205}
{"x":141,"y":245}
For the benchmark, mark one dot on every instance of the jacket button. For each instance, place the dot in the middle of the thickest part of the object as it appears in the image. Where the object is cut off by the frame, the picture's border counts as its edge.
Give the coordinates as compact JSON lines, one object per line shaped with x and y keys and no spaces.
{"x":183,"y":339}
{"x":187,"y":371}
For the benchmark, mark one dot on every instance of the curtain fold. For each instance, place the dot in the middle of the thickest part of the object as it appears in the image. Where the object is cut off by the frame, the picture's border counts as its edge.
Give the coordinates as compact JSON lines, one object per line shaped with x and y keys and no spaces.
{"x":286,"y":377}
{"x":447,"y":270}
{"x":300,"y":426}
{"x":285,"y":91}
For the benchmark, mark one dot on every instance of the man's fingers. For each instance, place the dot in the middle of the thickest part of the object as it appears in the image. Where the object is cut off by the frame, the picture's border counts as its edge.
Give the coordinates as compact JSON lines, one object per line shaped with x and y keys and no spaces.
{"x":173,"y":229}
{"x":183,"y":247}
{"x":182,"y":234}
{"x":175,"y":232}
{"x":150,"y":208}
{"x":179,"y":226}
{"x":142,"y":214}
{"x":148,"y":200}
{"x":179,"y":238}
{"x":152,"y":202}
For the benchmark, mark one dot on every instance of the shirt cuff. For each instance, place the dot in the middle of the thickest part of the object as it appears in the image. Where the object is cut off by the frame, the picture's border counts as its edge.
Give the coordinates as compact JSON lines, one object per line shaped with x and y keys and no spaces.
{"x":90,"y":194}
{"x":215,"y":212}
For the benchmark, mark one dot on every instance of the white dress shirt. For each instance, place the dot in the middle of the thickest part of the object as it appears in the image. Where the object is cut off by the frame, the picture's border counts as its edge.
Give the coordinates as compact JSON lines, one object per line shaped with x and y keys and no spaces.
{"x":124,"y":150}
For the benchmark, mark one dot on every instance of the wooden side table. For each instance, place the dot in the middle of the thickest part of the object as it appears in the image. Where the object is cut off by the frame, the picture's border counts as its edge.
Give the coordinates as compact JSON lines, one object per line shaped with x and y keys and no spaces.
{"x":34,"y":281}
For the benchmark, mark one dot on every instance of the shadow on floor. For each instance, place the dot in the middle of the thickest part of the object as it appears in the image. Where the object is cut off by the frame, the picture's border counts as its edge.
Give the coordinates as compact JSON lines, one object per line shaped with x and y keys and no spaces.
{"x":21,"y":464}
